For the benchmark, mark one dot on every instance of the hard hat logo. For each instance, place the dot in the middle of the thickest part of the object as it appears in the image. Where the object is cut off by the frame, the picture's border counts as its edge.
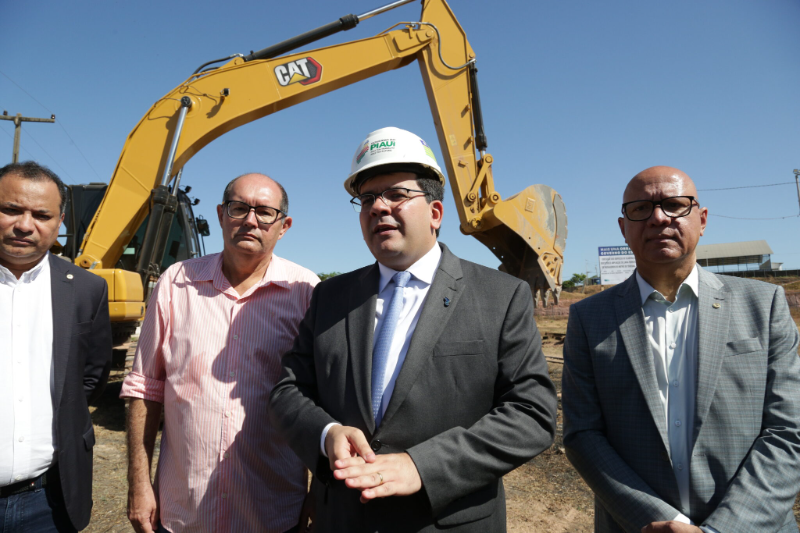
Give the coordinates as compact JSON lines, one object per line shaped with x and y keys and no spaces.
{"x":304,"y":71}
{"x":428,"y":150}
{"x":384,"y":145}
{"x":361,"y":154}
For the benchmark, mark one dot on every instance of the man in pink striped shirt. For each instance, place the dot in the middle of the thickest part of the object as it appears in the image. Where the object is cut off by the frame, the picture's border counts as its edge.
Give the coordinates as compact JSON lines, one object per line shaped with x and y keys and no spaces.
{"x":209,"y":353}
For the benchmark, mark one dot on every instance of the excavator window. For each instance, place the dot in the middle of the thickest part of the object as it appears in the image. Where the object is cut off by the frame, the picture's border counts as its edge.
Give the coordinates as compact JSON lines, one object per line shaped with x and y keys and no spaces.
{"x":176,"y":250}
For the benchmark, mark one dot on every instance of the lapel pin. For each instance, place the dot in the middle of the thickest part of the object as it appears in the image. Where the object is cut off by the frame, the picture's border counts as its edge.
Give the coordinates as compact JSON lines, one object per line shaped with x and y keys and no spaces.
{"x":446,"y":302}
{"x":715,"y":306}
{"x":70,"y":276}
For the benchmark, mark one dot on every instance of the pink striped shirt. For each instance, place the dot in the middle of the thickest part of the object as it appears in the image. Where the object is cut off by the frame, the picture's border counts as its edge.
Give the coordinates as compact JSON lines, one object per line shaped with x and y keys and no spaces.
{"x":212,"y":357}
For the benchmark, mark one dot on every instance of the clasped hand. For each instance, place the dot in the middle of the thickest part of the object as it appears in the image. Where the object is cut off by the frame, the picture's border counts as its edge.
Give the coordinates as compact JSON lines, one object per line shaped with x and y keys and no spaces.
{"x":376,"y":476}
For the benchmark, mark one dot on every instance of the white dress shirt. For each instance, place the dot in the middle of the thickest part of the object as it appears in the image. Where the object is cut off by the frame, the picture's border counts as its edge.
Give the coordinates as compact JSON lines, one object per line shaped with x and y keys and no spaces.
{"x":422,"y":274}
{"x":27,"y":442}
{"x":672,"y":336}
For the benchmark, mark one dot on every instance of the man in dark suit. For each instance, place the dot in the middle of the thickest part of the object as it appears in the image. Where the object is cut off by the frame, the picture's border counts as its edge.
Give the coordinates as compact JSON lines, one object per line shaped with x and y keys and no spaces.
{"x":417,"y":382}
{"x":681,"y":387}
{"x":54,"y":360}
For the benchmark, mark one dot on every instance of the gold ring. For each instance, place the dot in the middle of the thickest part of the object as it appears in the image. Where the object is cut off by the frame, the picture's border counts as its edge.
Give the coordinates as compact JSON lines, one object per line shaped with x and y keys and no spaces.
{"x":380,"y":476}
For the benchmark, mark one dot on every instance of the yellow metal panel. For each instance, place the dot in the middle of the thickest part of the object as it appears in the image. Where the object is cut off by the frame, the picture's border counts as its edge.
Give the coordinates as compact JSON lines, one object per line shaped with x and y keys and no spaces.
{"x":125,"y":311}
{"x":123,"y":286}
{"x":127,"y":286}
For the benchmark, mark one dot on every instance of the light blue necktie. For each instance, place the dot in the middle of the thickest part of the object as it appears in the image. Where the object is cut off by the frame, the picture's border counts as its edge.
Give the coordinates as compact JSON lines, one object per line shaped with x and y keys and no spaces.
{"x":380,"y":355}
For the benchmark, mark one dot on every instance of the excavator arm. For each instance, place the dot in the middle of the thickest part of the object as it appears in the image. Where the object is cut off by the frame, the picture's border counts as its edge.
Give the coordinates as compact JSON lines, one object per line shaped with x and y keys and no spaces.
{"x":527,"y":232}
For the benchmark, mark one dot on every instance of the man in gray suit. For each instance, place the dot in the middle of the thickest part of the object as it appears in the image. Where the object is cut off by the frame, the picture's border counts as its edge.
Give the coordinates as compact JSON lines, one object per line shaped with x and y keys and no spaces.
{"x":681,"y":388}
{"x":417,"y":382}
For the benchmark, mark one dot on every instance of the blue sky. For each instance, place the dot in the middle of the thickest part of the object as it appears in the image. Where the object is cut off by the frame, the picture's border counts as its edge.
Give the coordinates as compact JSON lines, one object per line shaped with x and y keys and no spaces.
{"x":578,"y":95}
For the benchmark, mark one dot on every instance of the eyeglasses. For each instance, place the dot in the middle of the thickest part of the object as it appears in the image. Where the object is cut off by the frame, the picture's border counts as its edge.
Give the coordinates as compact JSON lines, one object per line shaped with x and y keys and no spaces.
{"x":391,"y":197}
{"x":264,"y":214}
{"x":673,"y":207}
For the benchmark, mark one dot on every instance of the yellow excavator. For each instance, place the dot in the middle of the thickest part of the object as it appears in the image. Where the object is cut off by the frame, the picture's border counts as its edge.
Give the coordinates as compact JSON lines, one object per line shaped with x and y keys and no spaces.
{"x":144,"y":220}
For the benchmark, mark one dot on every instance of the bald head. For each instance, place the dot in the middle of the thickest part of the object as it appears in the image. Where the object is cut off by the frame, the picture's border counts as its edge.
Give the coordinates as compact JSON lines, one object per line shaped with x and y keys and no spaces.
{"x":652,"y":177}
{"x":256,"y":179}
{"x":663,"y":244}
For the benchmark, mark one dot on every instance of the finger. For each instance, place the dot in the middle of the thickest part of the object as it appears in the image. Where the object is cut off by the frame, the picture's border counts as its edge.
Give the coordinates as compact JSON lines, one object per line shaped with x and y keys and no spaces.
{"x":382,"y":491}
{"x":368,"y":481}
{"x":140,"y":525}
{"x":349,"y":462}
{"x":361,"y":445}
{"x":354,"y":471}
{"x":154,"y":517}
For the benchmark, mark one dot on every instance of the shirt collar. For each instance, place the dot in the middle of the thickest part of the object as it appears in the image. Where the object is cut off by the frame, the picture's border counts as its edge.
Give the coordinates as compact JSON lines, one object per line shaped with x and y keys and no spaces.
{"x":276,"y":274}
{"x":424,"y":269}
{"x":42,"y":267}
{"x":691,"y":281}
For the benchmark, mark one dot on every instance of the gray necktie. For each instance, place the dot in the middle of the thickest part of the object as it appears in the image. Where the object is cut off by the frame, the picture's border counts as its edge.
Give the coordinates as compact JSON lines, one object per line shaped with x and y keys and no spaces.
{"x":380,"y":355}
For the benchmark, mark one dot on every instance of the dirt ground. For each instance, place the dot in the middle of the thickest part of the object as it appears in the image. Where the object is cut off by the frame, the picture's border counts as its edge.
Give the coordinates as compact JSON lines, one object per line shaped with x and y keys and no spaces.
{"x":544,"y":495}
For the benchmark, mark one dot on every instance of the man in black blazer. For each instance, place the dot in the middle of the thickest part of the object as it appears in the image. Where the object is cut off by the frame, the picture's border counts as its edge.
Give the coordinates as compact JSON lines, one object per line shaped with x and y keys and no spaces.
{"x":417,"y":382}
{"x":56,"y":355}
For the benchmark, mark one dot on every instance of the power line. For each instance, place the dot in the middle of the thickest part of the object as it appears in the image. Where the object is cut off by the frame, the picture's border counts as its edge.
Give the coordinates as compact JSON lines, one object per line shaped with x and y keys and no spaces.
{"x":25,"y":149}
{"x":744,"y":218}
{"x":748,"y":187}
{"x":59,"y":123}
{"x":48,"y":155}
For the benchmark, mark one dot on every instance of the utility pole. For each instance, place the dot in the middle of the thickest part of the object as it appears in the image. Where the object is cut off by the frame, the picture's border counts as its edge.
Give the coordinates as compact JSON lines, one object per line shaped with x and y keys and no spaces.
{"x":18,"y":120}
{"x":797,"y":182}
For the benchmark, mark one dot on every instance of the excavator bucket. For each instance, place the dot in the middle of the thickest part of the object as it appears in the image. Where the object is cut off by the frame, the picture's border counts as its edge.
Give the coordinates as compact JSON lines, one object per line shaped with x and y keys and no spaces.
{"x":528,"y":233}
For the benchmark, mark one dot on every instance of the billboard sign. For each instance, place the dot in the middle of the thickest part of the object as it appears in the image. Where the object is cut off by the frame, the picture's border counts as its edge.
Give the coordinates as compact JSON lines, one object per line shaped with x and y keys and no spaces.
{"x":617,"y":263}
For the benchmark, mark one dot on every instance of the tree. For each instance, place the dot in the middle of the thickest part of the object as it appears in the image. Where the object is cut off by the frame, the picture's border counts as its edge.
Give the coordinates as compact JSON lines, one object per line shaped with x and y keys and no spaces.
{"x":575,"y":280}
{"x":325,"y":275}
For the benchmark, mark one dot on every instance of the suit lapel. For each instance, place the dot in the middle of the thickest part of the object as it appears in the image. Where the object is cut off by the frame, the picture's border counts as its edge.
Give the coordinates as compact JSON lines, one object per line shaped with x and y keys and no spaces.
{"x":360,"y":326}
{"x":61,"y":294}
{"x":432,"y":321}
{"x":634,"y":335}
{"x":713,"y":319}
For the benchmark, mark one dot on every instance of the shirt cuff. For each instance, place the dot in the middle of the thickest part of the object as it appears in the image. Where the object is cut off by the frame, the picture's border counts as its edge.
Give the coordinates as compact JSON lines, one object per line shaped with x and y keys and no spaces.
{"x":138,"y":385}
{"x":325,"y":434}
{"x":683,"y":519}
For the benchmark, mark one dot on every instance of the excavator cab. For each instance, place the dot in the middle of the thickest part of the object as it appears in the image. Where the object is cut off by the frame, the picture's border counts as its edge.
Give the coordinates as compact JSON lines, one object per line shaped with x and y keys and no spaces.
{"x":184,"y":242}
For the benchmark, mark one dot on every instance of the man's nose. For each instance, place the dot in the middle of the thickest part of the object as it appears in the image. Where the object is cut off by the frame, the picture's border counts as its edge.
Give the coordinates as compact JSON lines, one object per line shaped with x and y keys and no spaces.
{"x":24,"y":223}
{"x":659,"y":217}
{"x":251,"y":219}
{"x":379,"y":206}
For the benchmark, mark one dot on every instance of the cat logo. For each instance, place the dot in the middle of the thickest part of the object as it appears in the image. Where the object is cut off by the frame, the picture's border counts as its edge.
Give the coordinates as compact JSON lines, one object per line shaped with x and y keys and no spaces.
{"x":304,"y":71}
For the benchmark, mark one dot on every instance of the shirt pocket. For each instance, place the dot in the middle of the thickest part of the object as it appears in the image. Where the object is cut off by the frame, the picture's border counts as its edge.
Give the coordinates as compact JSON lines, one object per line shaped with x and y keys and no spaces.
{"x":742,"y":346}
{"x":458,"y":348}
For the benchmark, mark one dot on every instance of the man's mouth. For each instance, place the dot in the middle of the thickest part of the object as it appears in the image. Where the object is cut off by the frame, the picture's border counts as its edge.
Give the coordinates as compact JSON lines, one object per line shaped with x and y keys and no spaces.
{"x":248,"y":236}
{"x":661,"y":238}
{"x":382,"y":229}
{"x":20,"y":242}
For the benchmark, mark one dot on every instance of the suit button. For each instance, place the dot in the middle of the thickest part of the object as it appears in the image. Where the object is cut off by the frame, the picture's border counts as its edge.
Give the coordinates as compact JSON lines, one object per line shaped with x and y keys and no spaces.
{"x":376,"y":445}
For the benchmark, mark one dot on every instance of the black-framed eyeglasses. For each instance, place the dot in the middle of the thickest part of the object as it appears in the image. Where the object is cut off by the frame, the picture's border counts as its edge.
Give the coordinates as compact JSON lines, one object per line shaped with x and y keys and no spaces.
{"x":264,"y":214}
{"x":391,"y":197}
{"x":673,"y":207}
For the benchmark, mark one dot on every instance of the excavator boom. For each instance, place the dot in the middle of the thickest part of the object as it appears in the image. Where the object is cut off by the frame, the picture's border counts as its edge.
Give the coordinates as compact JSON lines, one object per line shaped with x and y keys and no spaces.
{"x":527,"y":231}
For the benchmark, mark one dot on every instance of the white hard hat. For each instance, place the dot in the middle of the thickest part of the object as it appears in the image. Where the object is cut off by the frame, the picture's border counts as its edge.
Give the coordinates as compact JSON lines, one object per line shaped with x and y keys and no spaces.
{"x":401,"y":149}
